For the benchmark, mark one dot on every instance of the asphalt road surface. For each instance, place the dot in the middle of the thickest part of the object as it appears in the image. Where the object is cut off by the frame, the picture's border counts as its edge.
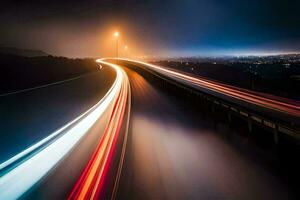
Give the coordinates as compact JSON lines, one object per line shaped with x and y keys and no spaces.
{"x":175,"y":152}
{"x":32,"y":115}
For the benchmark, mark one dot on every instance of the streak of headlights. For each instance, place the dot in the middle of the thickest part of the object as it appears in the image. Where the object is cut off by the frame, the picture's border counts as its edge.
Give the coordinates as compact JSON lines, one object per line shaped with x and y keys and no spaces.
{"x":287,"y":106}
{"x":21,"y":172}
{"x":92,"y":179}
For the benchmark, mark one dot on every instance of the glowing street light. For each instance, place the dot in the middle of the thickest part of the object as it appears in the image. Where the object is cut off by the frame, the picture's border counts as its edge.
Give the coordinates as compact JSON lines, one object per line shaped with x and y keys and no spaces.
{"x":116,"y":34}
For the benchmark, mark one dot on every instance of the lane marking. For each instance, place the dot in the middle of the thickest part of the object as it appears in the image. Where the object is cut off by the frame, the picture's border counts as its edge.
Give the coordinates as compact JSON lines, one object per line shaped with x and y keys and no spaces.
{"x":116,"y":185}
{"x":46,"y":85}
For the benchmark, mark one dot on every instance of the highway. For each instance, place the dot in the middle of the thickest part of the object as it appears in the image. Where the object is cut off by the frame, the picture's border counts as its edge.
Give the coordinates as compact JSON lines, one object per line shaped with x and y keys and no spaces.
{"x":242,"y":96}
{"x":132,"y":140}
{"x":176,"y":152}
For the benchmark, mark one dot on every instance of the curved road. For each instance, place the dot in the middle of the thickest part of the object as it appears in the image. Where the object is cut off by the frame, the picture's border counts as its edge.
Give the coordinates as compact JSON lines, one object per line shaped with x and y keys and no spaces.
{"x":171,"y":150}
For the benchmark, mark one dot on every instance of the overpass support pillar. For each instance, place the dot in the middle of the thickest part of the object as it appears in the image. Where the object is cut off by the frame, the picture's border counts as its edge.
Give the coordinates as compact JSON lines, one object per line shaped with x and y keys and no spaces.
{"x":276,"y":141}
{"x":213,"y":108}
{"x":249,"y":125}
{"x":276,"y":135}
{"x":229,"y":116}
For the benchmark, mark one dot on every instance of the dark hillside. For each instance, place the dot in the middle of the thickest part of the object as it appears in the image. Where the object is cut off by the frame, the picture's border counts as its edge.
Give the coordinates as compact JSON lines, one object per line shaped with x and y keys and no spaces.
{"x":22,"y":52}
{"x":18,"y":72}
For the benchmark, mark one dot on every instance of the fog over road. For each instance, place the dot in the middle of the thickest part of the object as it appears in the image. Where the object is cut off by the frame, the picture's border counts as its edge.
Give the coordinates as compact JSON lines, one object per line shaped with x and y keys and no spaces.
{"x":175,"y":152}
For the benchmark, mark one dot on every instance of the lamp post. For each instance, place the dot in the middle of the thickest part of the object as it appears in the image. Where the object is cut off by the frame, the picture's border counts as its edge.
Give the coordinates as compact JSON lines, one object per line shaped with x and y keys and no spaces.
{"x":116,"y":34}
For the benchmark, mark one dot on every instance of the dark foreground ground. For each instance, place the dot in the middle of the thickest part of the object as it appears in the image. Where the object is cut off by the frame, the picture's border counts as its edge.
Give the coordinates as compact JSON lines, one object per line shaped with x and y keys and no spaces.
{"x":177,"y":151}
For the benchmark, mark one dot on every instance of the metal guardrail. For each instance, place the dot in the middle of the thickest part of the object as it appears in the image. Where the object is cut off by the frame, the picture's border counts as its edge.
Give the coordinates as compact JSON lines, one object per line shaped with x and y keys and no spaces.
{"x":243,"y":112}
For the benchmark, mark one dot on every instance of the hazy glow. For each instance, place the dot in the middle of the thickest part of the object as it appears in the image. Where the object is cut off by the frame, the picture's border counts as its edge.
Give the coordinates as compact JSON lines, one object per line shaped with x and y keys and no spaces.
{"x":116,"y":34}
{"x":151,"y":28}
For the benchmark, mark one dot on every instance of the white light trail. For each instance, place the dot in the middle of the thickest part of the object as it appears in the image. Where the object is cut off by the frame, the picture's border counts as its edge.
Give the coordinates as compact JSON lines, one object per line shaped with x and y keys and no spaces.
{"x":286,"y":106}
{"x":49,"y":151}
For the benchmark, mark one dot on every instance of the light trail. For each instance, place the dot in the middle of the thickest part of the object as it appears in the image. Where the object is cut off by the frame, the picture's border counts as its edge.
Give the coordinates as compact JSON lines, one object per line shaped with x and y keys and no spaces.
{"x":19,"y":173}
{"x":91,"y":181}
{"x":275,"y":103}
{"x":24,"y":170}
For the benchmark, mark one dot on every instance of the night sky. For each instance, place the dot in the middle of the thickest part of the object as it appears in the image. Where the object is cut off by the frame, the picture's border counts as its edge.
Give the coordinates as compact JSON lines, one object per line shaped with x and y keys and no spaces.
{"x":158,"y":27}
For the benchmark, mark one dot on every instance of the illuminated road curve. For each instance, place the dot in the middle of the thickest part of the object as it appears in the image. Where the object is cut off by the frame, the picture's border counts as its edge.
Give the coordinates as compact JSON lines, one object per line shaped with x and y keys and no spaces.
{"x":21,"y":172}
{"x":165,"y":157}
{"x":286,"y":106}
{"x":92,"y":180}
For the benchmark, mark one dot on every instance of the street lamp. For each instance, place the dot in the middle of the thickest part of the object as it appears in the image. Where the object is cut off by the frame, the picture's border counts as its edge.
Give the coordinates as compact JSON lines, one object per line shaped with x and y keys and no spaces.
{"x":116,"y":35}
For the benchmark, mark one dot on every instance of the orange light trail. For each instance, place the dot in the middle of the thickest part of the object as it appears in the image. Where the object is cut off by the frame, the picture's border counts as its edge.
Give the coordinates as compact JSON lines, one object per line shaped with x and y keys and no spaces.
{"x":280,"y":104}
{"x":91,"y":181}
